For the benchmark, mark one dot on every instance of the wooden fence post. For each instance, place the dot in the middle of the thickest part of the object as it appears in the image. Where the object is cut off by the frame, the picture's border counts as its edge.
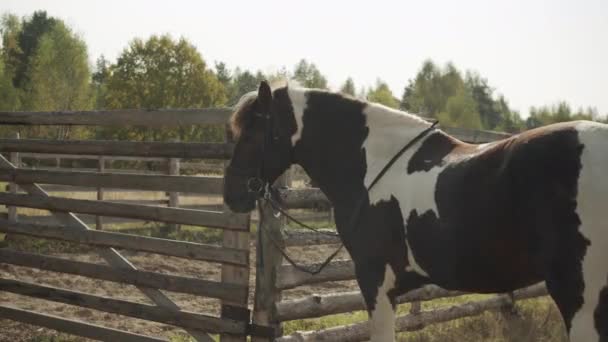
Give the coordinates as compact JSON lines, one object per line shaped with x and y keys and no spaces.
{"x":13,"y":187}
{"x":237,"y":310}
{"x":509,"y":309}
{"x":101,"y":168}
{"x":268,"y":263}
{"x":173,"y":169}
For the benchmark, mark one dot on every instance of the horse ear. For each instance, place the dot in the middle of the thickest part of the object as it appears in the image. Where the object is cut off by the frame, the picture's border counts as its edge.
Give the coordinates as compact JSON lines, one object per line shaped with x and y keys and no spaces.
{"x":264,"y":96}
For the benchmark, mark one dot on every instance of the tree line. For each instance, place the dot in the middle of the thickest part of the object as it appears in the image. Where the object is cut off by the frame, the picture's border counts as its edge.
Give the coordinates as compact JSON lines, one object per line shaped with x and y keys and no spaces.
{"x":44,"y":66}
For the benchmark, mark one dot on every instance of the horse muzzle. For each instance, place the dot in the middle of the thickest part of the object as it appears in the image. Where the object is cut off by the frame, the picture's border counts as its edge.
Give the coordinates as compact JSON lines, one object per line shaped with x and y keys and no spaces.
{"x":241,"y":190}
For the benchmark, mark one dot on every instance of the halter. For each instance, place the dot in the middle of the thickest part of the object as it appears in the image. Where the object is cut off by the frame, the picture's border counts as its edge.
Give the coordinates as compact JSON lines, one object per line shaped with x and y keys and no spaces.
{"x":264,"y":190}
{"x":257,"y":184}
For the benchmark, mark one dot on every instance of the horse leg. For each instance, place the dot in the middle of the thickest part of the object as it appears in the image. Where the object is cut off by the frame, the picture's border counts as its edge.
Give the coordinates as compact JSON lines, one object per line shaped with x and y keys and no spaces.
{"x":566,"y":291}
{"x":376,"y":281}
{"x":576,"y":281}
{"x":601,"y":315}
{"x":590,"y":322}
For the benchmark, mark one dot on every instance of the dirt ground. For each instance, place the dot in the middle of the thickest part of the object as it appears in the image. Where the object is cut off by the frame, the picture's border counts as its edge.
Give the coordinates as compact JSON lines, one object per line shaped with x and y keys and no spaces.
{"x":12,"y":331}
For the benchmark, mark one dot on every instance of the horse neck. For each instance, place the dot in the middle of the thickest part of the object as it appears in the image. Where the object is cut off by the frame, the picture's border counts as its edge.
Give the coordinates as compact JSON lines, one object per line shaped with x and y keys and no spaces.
{"x":343,"y":146}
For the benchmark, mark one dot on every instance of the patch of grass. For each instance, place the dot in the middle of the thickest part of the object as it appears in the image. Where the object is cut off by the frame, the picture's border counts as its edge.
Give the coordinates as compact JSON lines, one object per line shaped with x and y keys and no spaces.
{"x":55,"y":338}
{"x":183,"y":337}
{"x":180,"y":337}
{"x":197,"y":234}
{"x":314,"y":224}
{"x":42,"y":246}
{"x":535,"y":320}
{"x":324,"y":322}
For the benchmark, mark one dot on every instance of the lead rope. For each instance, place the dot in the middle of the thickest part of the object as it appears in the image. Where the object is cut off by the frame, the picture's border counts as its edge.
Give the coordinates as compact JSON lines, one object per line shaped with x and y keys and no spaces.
{"x":302,"y":268}
{"x":268,"y":196}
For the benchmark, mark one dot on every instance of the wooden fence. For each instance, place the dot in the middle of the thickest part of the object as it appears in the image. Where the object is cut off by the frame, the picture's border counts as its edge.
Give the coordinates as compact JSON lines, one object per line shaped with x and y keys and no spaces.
{"x":283,"y":276}
{"x":108,"y":164}
{"x":27,"y":189}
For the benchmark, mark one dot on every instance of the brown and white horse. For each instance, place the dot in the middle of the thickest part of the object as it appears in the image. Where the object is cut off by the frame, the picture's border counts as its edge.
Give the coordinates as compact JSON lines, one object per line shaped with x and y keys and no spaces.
{"x":480,"y":218}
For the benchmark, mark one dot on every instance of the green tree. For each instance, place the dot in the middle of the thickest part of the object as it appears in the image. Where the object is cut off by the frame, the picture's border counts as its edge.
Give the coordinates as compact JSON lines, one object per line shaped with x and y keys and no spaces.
{"x":30,"y":32}
{"x":443,"y":93}
{"x":99,"y":82}
{"x":223,"y":74}
{"x":309,"y":76}
{"x":348,"y":87}
{"x":589,"y":113}
{"x":59,"y":72}
{"x":559,"y":112}
{"x":482,"y":93}
{"x":9,"y":97}
{"x":10,"y":28}
{"x":511,"y":121}
{"x":163,"y":73}
{"x":461,"y":111}
{"x":382,"y":94}
{"x":242,"y":83}
{"x":430,"y":90}
{"x":58,"y":78}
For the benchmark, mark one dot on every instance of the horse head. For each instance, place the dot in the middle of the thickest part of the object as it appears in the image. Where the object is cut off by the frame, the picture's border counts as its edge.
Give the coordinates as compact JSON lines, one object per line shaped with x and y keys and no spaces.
{"x":262,"y":125}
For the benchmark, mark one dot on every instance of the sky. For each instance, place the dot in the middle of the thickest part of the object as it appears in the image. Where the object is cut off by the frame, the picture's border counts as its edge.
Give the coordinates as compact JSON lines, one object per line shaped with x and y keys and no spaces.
{"x":533,"y":52}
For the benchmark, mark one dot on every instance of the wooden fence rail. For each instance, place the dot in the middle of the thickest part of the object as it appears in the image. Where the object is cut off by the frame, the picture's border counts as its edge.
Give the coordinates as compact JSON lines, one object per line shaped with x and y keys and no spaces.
{"x":127,"y":117}
{"x":309,"y":238}
{"x":226,"y":220}
{"x":335,"y":303}
{"x":73,"y":327}
{"x":212,"y":289}
{"x":203,"y":185}
{"x":290,"y":277}
{"x":119,"y":148}
{"x":59,"y":156}
{"x":182,"y":249}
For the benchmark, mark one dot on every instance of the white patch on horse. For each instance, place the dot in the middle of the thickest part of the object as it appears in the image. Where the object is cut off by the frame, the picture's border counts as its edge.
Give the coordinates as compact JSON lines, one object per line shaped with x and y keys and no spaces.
{"x":389,"y":131}
{"x":413,"y":266}
{"x":591,"y":211}
{"x":383,"y":316}
{"x":298,"y":102}
{"x":482,"y":146}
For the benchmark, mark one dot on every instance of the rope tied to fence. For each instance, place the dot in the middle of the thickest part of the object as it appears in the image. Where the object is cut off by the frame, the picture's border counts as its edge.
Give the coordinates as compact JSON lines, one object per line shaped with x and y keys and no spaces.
{"x":310,"y":270}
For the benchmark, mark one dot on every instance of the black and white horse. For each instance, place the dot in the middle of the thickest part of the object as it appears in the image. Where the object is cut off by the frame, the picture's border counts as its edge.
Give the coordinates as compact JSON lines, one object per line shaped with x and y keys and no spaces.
{"x":480,"y":218}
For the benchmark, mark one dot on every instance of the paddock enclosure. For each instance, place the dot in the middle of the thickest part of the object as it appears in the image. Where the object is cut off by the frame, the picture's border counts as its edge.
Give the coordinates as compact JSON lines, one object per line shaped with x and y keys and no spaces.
{"x":66,"y":190}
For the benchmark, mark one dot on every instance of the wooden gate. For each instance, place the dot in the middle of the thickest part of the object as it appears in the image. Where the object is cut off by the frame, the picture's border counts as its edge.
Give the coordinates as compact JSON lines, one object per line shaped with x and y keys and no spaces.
{"x":26,"y":189}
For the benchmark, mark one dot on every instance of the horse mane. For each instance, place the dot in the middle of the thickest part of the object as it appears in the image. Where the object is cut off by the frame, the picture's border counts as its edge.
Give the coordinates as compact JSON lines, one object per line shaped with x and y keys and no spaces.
{"x":239,"y":119}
